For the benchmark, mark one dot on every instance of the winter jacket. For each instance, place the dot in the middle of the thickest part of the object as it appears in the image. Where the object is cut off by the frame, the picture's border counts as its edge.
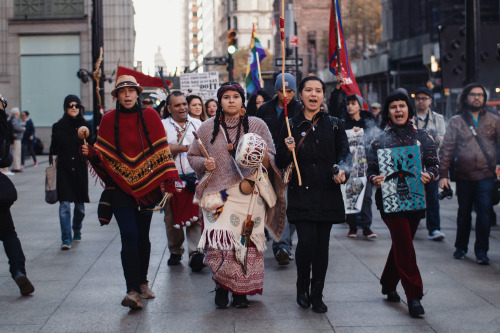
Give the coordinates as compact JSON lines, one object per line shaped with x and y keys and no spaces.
{"x":267,"y":112}
{"x":72,"y":174}
{"x":319,"y":198}
{"x":29,"y":131}
{"x":434,"y":124}
{"x":407,"y":135}
{"x":470,"y":163}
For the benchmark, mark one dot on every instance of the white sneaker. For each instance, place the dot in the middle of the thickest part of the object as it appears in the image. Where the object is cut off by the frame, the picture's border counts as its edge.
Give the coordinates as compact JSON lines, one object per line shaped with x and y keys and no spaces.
{"x":436,"y":235}
{"x":9,"y":173}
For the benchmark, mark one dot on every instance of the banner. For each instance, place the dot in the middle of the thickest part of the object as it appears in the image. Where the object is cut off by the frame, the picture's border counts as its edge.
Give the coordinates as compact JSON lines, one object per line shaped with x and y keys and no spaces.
{"x":143,"y":79}
{"x":350,"y":87}
{"x":253,"y":66}
{"x":204,"y":85}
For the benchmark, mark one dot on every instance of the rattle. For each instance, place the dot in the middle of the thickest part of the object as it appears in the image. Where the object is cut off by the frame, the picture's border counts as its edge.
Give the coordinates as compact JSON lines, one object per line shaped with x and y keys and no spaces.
{"x":83,"y":133}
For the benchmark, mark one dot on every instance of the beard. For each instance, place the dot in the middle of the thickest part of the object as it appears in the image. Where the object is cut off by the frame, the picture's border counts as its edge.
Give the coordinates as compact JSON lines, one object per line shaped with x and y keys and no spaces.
{"x":475,"y":108}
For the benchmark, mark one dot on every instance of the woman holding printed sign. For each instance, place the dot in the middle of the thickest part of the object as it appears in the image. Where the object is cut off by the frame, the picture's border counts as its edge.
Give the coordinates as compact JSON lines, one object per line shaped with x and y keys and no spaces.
{"x":400,"y":132}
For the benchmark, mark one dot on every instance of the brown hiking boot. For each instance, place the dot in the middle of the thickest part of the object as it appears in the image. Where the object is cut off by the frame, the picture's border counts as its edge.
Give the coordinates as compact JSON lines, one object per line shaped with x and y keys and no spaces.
{"x":133,"y":300}
{"x":146,"y":291}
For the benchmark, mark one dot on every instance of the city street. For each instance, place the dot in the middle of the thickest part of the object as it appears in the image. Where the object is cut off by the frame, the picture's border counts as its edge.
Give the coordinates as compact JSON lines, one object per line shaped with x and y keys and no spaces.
{"x":80,"y":290}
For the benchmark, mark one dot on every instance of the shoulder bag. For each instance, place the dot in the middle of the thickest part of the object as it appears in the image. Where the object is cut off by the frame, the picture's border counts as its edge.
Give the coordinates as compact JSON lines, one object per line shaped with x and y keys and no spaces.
{"x":50,"y":184}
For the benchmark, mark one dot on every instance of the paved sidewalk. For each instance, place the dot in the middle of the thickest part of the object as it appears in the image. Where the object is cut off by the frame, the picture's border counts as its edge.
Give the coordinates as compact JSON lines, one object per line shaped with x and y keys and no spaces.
{"x":80,"y":290}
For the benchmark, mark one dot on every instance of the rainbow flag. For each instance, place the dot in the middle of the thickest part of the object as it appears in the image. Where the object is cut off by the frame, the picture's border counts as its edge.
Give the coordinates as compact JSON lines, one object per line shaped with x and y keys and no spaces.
{"x":252,"y":76}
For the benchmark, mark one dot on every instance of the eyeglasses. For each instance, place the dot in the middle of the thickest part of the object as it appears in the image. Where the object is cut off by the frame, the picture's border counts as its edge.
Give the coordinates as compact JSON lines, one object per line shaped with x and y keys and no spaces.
{"x":474,"y":95}
{"x":422,"y":99}
{"x":73,"y":106}
{"x":147,"y":102}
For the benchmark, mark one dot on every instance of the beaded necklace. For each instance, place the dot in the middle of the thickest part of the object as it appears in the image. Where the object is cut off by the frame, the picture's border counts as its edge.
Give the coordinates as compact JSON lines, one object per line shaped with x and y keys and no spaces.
{"x":231,"y":147}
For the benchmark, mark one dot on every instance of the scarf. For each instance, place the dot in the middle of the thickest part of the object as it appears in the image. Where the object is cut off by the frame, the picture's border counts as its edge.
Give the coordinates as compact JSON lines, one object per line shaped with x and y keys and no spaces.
{"x":139,"y":171}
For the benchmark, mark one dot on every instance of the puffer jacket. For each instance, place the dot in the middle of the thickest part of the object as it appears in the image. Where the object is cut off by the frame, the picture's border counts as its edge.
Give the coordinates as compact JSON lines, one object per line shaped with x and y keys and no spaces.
{"x":471,"y":164}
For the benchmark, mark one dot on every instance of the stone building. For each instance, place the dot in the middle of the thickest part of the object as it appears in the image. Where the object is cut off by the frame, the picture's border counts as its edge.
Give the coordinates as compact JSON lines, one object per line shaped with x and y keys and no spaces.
{"x":44,"y":43}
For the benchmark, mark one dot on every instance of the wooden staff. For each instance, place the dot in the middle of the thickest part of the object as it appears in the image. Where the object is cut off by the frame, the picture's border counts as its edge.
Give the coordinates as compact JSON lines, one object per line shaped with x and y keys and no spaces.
{"x":282,"y":32}
{"x":201,"y":144}
{"x":338,"y":46}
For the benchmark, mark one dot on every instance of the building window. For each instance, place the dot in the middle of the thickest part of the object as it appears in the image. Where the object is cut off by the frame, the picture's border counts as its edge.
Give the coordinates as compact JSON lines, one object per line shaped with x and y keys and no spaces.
{"x":235,"y":5}
{"x":48,"y":9}
{"x":235,"y":23}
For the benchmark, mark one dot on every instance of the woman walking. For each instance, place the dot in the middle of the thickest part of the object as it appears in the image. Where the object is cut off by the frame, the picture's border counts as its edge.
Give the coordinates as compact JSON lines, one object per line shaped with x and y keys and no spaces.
{"x":196,"y":107}
{"x":132,"y":157}
{"x":316,"y":205}
{"x":226,"y":202}
{"x":402,"y":262}
{"x":72,"y":175}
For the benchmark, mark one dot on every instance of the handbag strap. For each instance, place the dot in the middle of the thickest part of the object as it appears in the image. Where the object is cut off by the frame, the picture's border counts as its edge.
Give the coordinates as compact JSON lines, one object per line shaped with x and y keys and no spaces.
{"x":304,"y":137}
{"x":473,"y":130}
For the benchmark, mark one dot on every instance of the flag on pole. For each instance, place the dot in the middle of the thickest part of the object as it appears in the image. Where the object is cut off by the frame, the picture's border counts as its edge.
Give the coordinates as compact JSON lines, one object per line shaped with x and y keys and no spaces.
{"x":255,"y":56}
{"x":143,"y":79}
{"x":350,"y":87}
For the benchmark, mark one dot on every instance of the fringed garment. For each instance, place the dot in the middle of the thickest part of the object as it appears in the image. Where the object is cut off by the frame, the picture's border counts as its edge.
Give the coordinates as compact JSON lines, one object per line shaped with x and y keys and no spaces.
{"x":139,"y":171}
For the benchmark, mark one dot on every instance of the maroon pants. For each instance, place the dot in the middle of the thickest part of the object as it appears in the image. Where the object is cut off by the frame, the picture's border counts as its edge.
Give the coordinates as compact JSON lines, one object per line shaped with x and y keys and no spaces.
{"x":402,"y":263}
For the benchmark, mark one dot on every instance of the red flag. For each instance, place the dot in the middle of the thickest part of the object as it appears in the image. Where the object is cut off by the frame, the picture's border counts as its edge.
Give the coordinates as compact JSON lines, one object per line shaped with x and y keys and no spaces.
{"x":350,"y":87}
{"x":143,"y":79}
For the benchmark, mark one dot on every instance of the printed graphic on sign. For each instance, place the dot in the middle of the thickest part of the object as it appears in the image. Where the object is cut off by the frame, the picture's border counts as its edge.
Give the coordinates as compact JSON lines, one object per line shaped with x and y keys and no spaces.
{"x":354,"y":190}
{"x":402,"y":189}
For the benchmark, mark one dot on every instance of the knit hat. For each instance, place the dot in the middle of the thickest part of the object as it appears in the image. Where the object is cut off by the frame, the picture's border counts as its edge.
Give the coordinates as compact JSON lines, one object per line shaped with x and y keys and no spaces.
{"x":230,"y":86}
{"x":69,"y":99}
{"x":290,"y":82}
{"x":126,"y":81}
{"x":424,"y":90}
{"x":358,"y":98}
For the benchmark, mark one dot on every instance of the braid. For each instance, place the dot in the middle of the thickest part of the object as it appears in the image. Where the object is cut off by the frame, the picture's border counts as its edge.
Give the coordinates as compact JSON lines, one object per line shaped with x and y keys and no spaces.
{"x":146,"y":132}
{"x":245,"y":123}
{"x":218,"y":115}
{"x":117,"y":134}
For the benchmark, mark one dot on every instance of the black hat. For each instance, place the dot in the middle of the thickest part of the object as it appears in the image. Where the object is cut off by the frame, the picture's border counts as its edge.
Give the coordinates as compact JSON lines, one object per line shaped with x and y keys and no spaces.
{"x":423,"y":90}
{"x":69,"y":99}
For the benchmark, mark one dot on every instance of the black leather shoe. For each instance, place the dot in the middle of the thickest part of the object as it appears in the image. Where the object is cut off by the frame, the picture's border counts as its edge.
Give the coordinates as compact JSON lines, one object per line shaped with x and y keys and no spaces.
{"x":303,"y":299}
{"x":175,"y":259}
{"x":240,"y":301}
{"x":196,"y":262}
{"x":317,"y":297}
{"x":221,"y":297}
{"x":415,"y":308}
{"x":24,"y":284}
{"x":392,"y":295}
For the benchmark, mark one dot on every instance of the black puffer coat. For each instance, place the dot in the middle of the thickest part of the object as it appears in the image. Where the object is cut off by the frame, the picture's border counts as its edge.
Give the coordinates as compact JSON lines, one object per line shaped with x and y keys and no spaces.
{"x":72,"y":172}
{"x":319,"y":198}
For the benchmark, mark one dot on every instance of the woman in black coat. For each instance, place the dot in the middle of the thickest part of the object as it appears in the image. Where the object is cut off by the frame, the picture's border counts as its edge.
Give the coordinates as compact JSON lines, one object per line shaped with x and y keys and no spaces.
{"x":317,"y":204}
{"x":72,"y":174}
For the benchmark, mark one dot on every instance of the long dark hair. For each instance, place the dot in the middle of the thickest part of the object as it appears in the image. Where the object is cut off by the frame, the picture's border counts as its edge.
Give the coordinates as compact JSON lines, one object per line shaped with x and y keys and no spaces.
{"x":396,"y":95}
{"x":462,"y":99}
{"x":135,"y":108}
{"x":252,"y":102}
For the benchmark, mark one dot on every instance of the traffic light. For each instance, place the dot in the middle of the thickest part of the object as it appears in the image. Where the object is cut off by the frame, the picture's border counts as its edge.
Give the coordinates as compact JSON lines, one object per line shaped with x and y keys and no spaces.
{"x":231,"y":42}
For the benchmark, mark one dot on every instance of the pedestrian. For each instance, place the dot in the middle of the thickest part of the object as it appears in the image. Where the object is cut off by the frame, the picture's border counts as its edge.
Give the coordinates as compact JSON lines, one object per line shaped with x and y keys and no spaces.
{"x":147,"y":103}
{"x":8,"y":235}
{"x":15,"y":122}
{"x":225,"y":205}
{"x":211,"y":107}
{"x":433,"y":122}
{"x":196,"y":107}
{"x":473,"y":139}
{"x":401,"y":262}
{"x":255,"y":101}
{"x":28,"y":140}
{"x":179,"y":127}
{"x":274,"y":117}
{"x":376,"y":108}
{"x":72,"y":183}
{"x":355,"y":120}
{"x":317,"y":204}
{"x":132,"y":157}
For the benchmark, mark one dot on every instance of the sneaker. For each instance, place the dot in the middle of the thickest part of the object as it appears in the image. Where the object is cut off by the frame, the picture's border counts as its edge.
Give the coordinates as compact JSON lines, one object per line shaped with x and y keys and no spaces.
{"x":368,"y":233}
{"x":35,"y":164}
{"x":290,"y":255}
{"x":221,"y":297}
{"x":482,"y":259}
{"x":459,"y":254}
{"x":22,"y":166}
{"x":196,"y":262}
{"x":25,"y":286}
{"x":9,"y":173}
{"x":65,"y":246}
{"x":133,"y":300}
{"x":175,"y":259}
{"x":282,"y":257}
{"x":352,"y":232}
{"x":77,"y":236}
{"x":146,"y":292}
{"x":436,"y":235}
{"x":17,"y":170}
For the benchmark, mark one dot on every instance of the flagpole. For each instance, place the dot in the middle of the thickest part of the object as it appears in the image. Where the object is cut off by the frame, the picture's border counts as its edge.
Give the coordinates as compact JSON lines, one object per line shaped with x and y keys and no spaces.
{"x":283,"y":54}
{"x":337,"y":37}
{"x":261,"y":82}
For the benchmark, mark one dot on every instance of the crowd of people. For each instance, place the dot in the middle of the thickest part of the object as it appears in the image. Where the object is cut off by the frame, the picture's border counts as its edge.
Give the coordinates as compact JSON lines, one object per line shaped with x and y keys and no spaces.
{"x":226,"y":174}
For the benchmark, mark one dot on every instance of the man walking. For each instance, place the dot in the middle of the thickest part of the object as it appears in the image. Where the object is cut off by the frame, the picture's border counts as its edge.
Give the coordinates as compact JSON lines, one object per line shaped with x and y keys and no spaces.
{"x":18,"y":135}
{"x":433,"y":122}
{"x":28,"y":140}
{"x":274,"y":117}
{"x":473,"y":137}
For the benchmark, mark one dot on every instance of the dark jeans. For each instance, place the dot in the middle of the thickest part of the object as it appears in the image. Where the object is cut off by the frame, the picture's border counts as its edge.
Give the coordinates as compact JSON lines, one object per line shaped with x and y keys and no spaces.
{"x":474,"y":194}
{"x":402,"y":262}
{"x":136,"y":247}
{"x":312,"y":249}
{"x":11,"y":242}
{"x":363,"y":218}
{"x":432,"y":212}
{"x":28,"y":148}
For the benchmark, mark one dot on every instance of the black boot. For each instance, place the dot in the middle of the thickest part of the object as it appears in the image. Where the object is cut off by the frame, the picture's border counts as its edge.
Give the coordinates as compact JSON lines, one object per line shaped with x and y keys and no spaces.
{"x":392,"y":295}
{"x":317,"y":297}
{"x":240,"y":301}
{"x":221,"y":297}
{"x":303,"y":299}
{"x":415,"y":308}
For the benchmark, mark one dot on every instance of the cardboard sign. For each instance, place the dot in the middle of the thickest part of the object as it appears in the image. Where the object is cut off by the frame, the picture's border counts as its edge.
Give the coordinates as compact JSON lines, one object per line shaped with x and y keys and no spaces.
{"x":204,"y":85}
{"x":402,"y":189}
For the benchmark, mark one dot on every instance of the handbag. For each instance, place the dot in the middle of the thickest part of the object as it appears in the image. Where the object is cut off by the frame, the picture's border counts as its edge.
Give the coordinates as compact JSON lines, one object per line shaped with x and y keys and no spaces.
{"x":50,"y":184}
{"x":8,"y":193}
